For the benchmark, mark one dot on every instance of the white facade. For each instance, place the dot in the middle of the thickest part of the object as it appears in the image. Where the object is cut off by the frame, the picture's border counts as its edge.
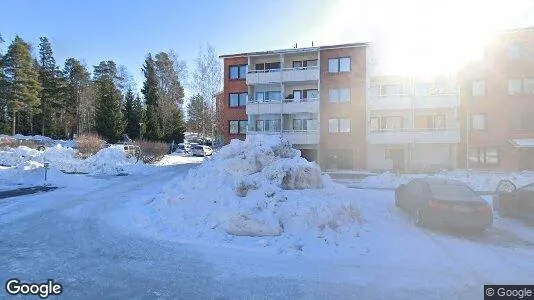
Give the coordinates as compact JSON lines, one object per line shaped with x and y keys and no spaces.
{"x":412,"y":124}
{"x":283,"y":95}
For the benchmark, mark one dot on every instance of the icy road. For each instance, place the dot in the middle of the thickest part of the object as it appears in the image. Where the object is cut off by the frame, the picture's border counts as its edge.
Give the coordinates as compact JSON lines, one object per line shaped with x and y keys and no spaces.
{"x":67,"y":235}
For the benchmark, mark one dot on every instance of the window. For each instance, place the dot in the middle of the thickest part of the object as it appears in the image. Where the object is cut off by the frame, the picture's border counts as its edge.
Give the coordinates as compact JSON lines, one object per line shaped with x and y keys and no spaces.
{"x":238,"y":99}
{"x":270,"y":96}
{"x":432,"y":122}
{"x":259,"y":125}
{"x":374,"y":124}
{"x":392,"y":123}
{"x":268,"y":66}
{"x":344,"y":125}
{"x":337,"y":65}
{"x":515,"y":86}
{"x":243,"y":127}
{"x":477,"y":122}
{"x":339,"y":95}
{"x":297,"y":124}
{"x":310,"y":124}
{"x":515,"y":51}
{"x":297,"y":64}
{"x":333,"y":95}
{"x":478,"y":88}
{"x":333,"y":125}
{"x":304,"y":63}
{"x":439,"y":122}
{"x":311,"y":94}
{"x":234,"y":127}
{"x":483,"y":157}
{"x":297,"y":94}
{"x":238,"y":72}
{"x":528,"y":85}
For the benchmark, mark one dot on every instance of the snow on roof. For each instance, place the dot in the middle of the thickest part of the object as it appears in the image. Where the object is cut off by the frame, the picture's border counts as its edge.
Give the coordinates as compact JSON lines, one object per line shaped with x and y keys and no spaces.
{"x":523,"y":143}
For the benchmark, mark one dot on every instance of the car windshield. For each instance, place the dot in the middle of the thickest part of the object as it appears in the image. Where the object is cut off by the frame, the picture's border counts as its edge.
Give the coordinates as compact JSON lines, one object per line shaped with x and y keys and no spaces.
{"x":451,"y":190}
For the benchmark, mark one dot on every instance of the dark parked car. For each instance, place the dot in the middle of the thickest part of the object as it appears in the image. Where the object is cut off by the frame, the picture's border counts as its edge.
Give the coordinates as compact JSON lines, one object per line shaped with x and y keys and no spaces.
{"x":444,"y":203}
{"x":515,"y":202}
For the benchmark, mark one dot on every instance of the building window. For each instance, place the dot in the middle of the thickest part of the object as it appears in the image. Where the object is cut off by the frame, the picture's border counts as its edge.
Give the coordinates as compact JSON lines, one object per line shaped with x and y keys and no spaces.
{"x":339,"y":95}
{"x":297,"y":124}
{"x":393,"y":123}
{"x":337,"y":65}
{"x":243,"y":126}
{"x":483,"y":157}
{"x":478,"y":88}
{"x":268,"y":66}
{"x":238,"y":127}
{"x":310,"y":124}
{"x":333,"y":125}
{"x":333,"y":95}
{"x":515,"y":86}
{"x":430,"y":122}
{"x":238,"y":72}
{"x":238,"y":99}
{"x":259,"y":125}
{"x":515,"y":51}
{"x":304,"y":63}
{"x":477,"y":122}
{"x":311,"y":94}
{"x":344,"y":125}
{"x":528,"y":86}
{"x":270,"y":96}
{"x":374,"y":124}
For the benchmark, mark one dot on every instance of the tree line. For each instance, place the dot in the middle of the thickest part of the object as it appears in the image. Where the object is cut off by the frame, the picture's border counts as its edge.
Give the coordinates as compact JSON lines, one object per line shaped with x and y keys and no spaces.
{"x":37,"y":96}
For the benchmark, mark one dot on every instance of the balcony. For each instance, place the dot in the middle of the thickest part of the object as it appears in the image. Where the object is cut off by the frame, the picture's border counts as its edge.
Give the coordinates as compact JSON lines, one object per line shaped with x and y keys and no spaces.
{"x":288,"y":106}
{"x":282,"y":75}
{"x":295,"y":137}
{"x":418,"y":136}
{"x":396,"y":102}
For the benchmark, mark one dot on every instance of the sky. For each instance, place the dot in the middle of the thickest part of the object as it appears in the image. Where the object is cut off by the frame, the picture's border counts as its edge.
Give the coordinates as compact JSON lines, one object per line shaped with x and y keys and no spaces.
{"x":408,"y":36}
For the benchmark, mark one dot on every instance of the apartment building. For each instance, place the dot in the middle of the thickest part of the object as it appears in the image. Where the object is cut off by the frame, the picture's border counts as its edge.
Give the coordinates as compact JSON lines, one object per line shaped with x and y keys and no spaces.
{"x":314,"y":97}
{"x":497,"y":107}
{"x":412,"y":123}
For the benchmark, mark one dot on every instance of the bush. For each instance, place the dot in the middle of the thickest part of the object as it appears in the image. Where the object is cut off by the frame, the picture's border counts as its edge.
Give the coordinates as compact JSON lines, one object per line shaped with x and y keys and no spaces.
{"x":89,"y":144}
{"x":13,"y":143}
{"x":152,"y":151}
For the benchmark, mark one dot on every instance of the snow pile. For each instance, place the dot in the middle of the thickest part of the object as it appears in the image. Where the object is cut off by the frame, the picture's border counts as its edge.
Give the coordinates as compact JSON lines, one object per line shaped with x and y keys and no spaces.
{"x":29,"y":173}
{"x":260,"y":187}
{"x":109,"y":161}
{"x":17,"y":155}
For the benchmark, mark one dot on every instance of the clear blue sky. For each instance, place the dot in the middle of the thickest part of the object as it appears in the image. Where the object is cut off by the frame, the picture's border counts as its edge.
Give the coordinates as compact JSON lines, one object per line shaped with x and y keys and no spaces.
{"x":408,"y":36}
{"x":125,"y":31}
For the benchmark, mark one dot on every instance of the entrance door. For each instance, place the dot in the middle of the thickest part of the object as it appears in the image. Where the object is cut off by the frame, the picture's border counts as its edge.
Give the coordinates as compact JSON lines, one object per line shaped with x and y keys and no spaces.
{"x":397,"y":156}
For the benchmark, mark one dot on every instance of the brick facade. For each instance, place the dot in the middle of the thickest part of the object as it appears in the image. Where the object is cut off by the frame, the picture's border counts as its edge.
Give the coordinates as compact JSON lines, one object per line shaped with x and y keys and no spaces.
{"x":343,"y":150}
{"x":226,"y":112}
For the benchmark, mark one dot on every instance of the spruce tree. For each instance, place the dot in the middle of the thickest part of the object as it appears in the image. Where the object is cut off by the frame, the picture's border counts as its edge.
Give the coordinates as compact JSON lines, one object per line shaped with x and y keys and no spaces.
{"x":153,"y":122}
{"x":49,"y":78}
{"x":109,"y":121}
{"x":138,"y":116}
{"x":3,"y":92}
{"x":78,"y":102}
{"x":130,"y":119}
{"x":22,"y":80}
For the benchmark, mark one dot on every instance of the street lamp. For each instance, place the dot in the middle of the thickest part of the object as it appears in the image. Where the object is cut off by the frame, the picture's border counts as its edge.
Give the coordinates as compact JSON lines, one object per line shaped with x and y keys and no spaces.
{"x":140,"y":130}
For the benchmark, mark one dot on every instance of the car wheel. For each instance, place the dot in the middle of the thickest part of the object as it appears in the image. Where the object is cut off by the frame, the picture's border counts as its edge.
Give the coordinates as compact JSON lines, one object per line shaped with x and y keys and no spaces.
{"x":418,"y":217}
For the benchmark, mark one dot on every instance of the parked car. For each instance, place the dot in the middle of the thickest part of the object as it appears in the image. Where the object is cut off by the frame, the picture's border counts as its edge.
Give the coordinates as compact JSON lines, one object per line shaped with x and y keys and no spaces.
{"x":200,"y":150}
{"x":183,"y":148}
{"x":514,"y":202}
{"x":130,"y":150}
{"x":444,"y":203}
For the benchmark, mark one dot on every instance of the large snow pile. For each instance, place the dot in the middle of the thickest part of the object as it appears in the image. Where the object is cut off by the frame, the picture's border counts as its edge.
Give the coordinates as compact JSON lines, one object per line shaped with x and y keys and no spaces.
{"x":260,"y":187}
{"x":17,"y":156}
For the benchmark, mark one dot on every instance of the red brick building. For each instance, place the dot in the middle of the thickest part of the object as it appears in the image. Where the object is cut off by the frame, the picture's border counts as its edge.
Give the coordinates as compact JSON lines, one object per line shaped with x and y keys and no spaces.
{"x":314,"y":97}
{"x":497,"y":105}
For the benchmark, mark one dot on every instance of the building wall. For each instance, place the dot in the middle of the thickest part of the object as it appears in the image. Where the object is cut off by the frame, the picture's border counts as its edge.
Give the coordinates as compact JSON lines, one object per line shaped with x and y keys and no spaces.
{"x":351,"y":144}
{"x":500,"y":107}
{"x":232,"y":86}
{"x":418,"y":157}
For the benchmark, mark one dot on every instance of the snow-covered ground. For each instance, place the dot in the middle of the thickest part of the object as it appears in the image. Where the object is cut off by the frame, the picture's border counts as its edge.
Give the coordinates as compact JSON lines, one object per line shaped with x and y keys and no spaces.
{"x":253,"y":221}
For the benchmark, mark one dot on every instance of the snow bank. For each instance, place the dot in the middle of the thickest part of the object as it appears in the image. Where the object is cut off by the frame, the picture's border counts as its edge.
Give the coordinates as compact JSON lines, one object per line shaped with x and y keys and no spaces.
{"x":17,"y":156}
{"x":260,"y":187}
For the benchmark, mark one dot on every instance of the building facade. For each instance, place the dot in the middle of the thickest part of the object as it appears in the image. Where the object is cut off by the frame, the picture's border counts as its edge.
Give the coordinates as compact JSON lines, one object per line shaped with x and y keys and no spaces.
{"x":314,"y":97}
{"x":412,"y":123}
{"x":497,"y":107}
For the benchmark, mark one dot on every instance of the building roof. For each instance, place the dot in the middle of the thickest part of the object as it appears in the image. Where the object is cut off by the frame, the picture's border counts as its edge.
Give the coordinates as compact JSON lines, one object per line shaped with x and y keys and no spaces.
{"x":295,"y":50}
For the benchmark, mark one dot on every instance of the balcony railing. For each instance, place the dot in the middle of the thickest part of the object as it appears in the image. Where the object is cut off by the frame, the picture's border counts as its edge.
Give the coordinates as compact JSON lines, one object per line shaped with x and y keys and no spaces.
{"x":404,"y":101}
{"x":287,"y":106}
{"x":282,"y":75}
{"x":414,"y":135}
{"x":302,"y":137}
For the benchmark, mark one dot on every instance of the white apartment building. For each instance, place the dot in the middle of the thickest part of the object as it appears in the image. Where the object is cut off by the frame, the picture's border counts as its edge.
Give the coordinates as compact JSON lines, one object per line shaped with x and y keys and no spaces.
{"x":412,"y":123}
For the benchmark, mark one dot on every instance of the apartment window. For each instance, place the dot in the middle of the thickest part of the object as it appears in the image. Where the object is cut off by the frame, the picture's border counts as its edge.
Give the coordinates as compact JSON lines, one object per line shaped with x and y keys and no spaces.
{"x":339,"y":95}
{"x":270,"y":96}
{"x":238,"y":72}
{"x":477,"y":122}
{"x":393,"y":123}
{"x":374,"y":124}
{"x":238,"y":127}
{"x":483,"y":157}
{"x":234,"y":127}
{"x":515,"y":51}
{"x":297,"y":64}
{"x":243,"y":125}
{"x":433,"y":122}
{"x":478,"y":88}
{"x":344,"y":125}
{"x":311,"y":94}
{"x":297,"y":124}
{"x":310,"y":124}
{"x":268,"y":66}
{"x":528,"y":85}
{"x":515,"y":86}
{"x":305,"y":63}
{"x":297,"y":94}
{"x":333,"y":95}
{"x":259,"y":125}
{"x":238,"y":99}
{"x":333,"y":125}
{"x":337,"y":65}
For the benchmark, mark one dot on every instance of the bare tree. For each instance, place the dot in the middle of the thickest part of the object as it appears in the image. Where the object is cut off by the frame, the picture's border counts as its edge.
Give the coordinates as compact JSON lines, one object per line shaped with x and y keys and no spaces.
{"x":206,"y":81}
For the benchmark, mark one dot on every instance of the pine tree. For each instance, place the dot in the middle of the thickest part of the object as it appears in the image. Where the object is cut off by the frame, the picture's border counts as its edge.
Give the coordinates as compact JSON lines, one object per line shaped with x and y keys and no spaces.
{"x":109,"y":121}
{"x":80,"y":104}
{"x":22,"y":79}
{"x":138,"y":116}
{"x":3,"y":92}
{"x":153,"y":122}
{"x":51,"y":100}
